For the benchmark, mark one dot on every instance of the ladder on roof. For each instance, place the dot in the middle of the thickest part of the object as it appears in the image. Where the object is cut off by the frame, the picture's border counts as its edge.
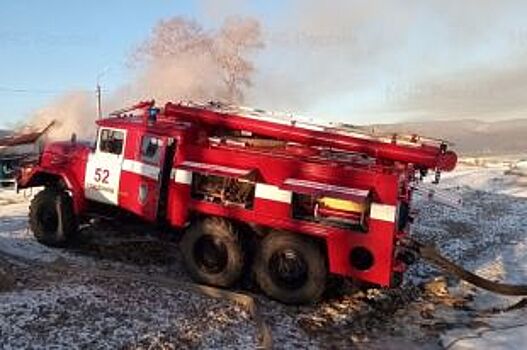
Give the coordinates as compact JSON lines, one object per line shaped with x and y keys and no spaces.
{"x":310,"y":124}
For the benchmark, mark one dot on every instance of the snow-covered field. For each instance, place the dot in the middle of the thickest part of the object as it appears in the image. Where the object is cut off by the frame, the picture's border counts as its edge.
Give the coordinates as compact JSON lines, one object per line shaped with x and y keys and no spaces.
{"x":85,"y":311}
{"x":43,"y":309}
{"x":487,"y":235}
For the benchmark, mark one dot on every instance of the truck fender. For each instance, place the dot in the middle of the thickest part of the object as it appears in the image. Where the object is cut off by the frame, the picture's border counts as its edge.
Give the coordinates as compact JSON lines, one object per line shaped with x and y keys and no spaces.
{"x":47,"y":177}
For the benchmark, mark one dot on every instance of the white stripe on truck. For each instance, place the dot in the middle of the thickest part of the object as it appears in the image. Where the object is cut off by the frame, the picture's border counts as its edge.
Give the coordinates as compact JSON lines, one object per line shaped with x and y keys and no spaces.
{"x":273,"y":193}
{"x":142,"y":169}
{"x":378,"y":211}
{"x":383,"y":212}
{"x":181,"y":176}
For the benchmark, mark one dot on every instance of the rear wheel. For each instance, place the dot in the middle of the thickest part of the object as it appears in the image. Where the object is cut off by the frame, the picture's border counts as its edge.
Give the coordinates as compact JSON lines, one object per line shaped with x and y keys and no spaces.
{"x":51,"y":217}
{"x":290,"y":268}
{"x":212,"y":252}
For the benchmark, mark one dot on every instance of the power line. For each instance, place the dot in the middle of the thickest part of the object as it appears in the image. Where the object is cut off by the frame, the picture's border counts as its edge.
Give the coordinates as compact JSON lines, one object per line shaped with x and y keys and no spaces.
{"x":10,"y":90}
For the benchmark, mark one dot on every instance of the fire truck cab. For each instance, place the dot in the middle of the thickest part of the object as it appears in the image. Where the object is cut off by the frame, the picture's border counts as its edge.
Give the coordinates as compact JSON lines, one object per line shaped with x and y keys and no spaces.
{"x":288,"y":201}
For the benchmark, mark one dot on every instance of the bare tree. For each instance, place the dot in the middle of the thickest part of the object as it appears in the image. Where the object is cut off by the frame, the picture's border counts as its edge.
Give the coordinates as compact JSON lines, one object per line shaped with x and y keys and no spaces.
{"x":226,"y":51}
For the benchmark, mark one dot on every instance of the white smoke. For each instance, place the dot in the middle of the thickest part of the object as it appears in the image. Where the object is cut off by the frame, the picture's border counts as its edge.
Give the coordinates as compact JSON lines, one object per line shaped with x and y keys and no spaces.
{"x":179,"y":61}
{"x":371,"y":61}
{"x":73,"y":112}
{"x":351,"y":60}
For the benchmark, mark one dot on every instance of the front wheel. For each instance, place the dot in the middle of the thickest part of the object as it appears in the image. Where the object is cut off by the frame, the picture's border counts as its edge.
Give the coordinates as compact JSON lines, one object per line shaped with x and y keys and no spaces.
{"x":290,"y":268}
{"x":51,"y":217}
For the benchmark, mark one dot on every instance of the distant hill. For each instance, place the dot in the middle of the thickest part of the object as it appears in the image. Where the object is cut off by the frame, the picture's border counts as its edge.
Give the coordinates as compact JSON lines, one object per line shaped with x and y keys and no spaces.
{"x":471,"y":137}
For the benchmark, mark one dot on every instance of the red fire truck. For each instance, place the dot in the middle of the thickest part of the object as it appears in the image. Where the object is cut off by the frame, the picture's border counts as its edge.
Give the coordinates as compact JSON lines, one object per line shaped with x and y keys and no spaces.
{"x":285,"y":199}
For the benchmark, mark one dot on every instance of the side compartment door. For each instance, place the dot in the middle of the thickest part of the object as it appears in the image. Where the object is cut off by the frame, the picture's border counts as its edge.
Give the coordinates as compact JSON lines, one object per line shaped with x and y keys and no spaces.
{"x":145,"y":177}
{"x":103,"y":169}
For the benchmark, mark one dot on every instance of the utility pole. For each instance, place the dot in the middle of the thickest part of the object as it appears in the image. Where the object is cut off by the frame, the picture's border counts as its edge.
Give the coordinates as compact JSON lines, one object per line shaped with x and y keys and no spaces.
{"x":99,"y":101}
{"x":98,"y":92}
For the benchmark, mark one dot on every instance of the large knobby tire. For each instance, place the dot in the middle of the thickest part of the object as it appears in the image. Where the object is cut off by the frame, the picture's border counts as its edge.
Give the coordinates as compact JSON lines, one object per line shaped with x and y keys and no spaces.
{"x":213,"y":252}
{"x":52,"y":218}
{"x":290,"y":268}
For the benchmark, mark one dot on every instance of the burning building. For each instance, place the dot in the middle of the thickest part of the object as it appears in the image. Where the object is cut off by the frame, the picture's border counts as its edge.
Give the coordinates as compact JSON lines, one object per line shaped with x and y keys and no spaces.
{"x":17,"y":147}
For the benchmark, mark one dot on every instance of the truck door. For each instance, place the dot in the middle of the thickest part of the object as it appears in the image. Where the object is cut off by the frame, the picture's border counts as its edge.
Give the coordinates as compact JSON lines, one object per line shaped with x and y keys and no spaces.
{"x":142,"y":184}
{"x":103,"y":169}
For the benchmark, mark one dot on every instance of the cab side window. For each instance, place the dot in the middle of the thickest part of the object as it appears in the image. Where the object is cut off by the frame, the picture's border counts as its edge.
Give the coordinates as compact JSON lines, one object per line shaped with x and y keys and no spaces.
{"x":151,"y":149}
{"x":111,"y":141}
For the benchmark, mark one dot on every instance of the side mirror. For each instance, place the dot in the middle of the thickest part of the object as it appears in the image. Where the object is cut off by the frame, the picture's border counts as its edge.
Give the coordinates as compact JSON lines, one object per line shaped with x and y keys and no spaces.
{"x":73,"y":138}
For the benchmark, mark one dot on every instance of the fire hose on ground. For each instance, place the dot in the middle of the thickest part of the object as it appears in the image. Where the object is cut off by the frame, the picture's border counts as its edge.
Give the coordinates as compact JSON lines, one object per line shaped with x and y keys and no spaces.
{"x":430,"y":254}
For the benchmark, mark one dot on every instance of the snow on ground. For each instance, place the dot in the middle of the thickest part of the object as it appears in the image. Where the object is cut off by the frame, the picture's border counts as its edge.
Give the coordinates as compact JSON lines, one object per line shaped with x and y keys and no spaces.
{"x":493,"y":215}
{"x":15,"y":236}
{"x":82,"y":310}
{"x":488,"y":236}
{"x":74,"y":315}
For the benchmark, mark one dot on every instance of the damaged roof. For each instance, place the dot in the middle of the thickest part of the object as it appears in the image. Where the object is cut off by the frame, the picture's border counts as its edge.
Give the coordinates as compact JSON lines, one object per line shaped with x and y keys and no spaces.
{"x":16,"y":140}
{"x":24,"y":138}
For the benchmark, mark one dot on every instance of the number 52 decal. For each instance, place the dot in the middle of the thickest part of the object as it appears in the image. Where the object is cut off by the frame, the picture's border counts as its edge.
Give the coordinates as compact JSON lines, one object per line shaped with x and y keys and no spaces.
{"x":101,"y":175}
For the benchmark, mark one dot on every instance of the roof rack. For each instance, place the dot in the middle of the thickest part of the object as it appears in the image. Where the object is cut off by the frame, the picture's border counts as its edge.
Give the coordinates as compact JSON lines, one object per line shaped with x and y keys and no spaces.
{"x":290,"y":119}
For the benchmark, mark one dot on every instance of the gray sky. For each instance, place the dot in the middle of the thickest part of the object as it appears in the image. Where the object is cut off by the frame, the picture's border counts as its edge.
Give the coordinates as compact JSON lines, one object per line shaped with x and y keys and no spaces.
{"x":347,"y":60}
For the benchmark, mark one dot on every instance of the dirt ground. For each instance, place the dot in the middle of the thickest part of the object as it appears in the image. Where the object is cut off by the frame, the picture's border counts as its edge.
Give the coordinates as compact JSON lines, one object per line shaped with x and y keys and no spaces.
{"x":80,"y":308}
